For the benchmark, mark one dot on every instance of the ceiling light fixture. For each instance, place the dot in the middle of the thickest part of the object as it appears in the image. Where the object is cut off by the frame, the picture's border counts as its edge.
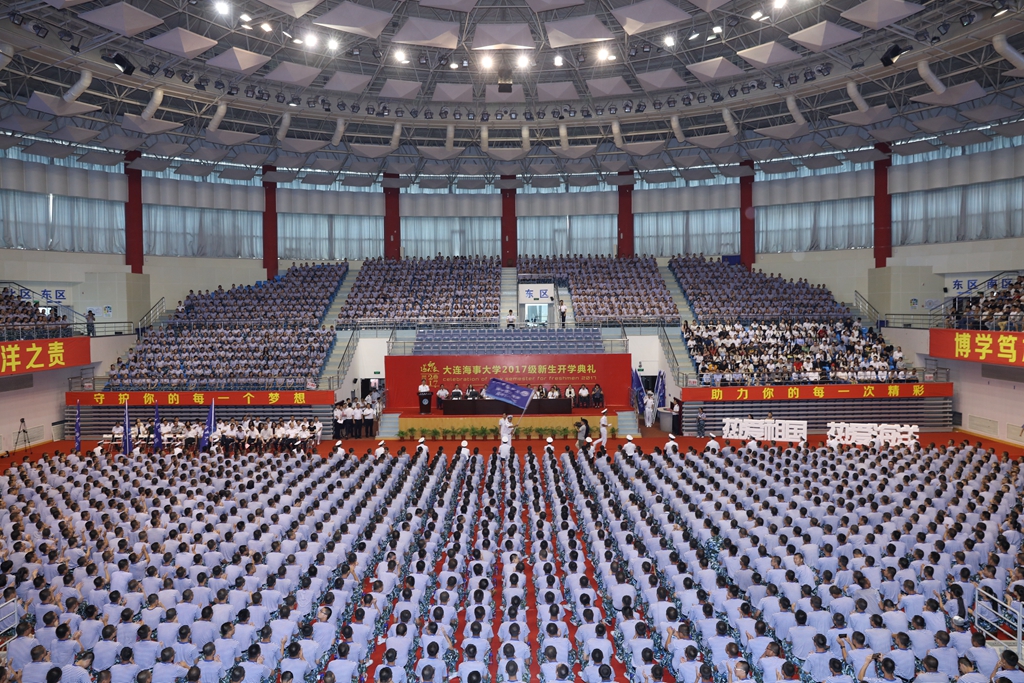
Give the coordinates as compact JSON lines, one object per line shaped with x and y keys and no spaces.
{"x":733,"y":92}
{"x":778,"y":82}
{"x":711,"y":36}
{"x":168,"y":73}
{"x":778,"y":4}
{"x":694,"y":36}
{"x":702,"y":98}
{"x":247,"y":27}
{"x":250,"y":92}
{"x":716,"y":96}
{"x":297,"y":41}
{"x":453,"y":65}
{"x":423,"y":58}
{"x":671,"y":101}
{"x":219,"y":84}
{"x":222,"y":7}
{"x":892,"y":55}
{"x":523,"y":61}
{"x":354,"y":108}
{"x":311,"y":40}
{"x":187,"y":76}
{"x":40,"y":30}
{"x":757,"y":15}
{"x":400,"y":56}
{"x":793,"y":79}
{"x":558,"y":60}
{"x":67,"y":36}
{"x":967,"y":19}
{"x":266,"y":27}
{"x":341,"y":105}
{"x":580,"y":57}
{"x":484,"y":117}
{"x":332,"y":44}
{"x":370,"y":110}
{"x":151,"y":69}
{"x":602,"y":54}
{"x":122,"y":63}
{"x":627,"y":106}
{"x":943,"y":28}
{"x":244,"y":17}
{"x":486,"y":62}
{"x":1002,"y":7}
{"x":670,"y":41}
{"x":612,"y":109}
{"x":280,"y":98}
{"x":687,"y":100}
{"x":16,"y":18}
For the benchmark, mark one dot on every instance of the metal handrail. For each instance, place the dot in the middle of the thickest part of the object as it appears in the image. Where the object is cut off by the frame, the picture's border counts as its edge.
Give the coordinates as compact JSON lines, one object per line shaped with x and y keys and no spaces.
{"x":242,"y":383}
{"x":153,"y":314}
{"x":865,"y":307}
{"x":62,"y":309}
{"x":408,"y":348}
{"x":670,"y":356}
{"x":913,"y":376}
{"x":1000,"y":627}
{"x":943,"y":308}
{"x":55,"y":330}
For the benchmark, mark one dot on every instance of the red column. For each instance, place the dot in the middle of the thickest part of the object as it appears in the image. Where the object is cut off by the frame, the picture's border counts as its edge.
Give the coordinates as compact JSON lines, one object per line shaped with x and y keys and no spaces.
{"x":509,"y":226}
{"x":392,"y":222}
{"x":133,"y":241}
{"x":883,"y":208}
{"x":748,"y":248}
{"x":625,"y":218}
{"x":270,"y":225}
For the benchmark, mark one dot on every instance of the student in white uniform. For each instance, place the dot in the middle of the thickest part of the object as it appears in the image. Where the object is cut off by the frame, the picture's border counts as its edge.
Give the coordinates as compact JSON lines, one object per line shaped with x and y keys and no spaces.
{"x":712,"y":444}
{"x":649,"y":409}
{"x":604,"y":430}
{"x":630,"y":447}
{"x":505,"y":449}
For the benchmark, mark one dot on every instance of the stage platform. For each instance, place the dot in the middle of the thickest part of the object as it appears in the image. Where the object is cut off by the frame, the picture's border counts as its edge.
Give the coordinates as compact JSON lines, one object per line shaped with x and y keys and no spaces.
{"x":548,"y":425}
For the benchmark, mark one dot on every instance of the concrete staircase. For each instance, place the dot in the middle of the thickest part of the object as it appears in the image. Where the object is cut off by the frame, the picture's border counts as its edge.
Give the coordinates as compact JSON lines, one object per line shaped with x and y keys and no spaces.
{"x":388,"y":427}
{"x":627,"y":424}
{"x":570,"y":314}
{"x":675,"y":339}
{"x":509,"y":294}
{"x":341,"y":336}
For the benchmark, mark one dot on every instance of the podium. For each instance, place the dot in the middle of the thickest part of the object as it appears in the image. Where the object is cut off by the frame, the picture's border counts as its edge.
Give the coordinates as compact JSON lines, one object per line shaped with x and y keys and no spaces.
{"x":425,"y":397}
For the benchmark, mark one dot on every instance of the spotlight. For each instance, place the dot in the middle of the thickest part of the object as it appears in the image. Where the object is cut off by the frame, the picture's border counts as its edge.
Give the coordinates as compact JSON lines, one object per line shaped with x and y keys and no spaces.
{"x":513,"y":115}
{"x":1002,"y":7}
{"x":428,"y":114}
{"x":187,"y":76}
{"x":377,"y":54}
{"x":671,"y":101}
{"x":355,"y":52}
{"x":232,"y":91}
{"x":219,"y":84}
{"x":341,"y":105}
{"x":443,"y":113}
{"x":935,"y":39}
{"x":541,"y":114}
{"x":453,"y":65}
{"x":922,"y":36}
{"x":687,"y":100}
{"x":151,"y":69}
{"x":457,"y":114}
{"x":892,"y":55}
{"x":826,"y":68}
{"x":641,"y":107}
{"x":646,"y":47}
{"x":15,"y":18}
{"x":732,"y":91}
{"x":354,"y":108}
{"x":465,"y":63}
{"x":471,"y":115}
{"x":612,"y":109}
{"x":967,"y":19}
{"x":627,"y":106}
{"x":761,"y":85}
{"x":484,"y":117}
{"x":200,"y":85}
{"x":657,"y":105}
{"x":423,"y":58}
{"x":250,"y":92}
{"x":265,"y":95}
{"x":585,"y":113}
{"x":280,"y":98}
{"x":399,"y":112}
{"x":943,"y":28}
{"x":415,"y":113}
{"x":732,"y":22}
{"x":311,"y":102}
{"x":793,"y":79}
{"x":443,"y":61}
{"x":745,"y":89}
{"x":40,"y":30}
{"x":383,"y":110}
{"x":125,"y":66}
{"x":809,"y":76}
{"x":528,"y":115}
{"x":778,"y":82}
{"x":580,"y":57}
{"x":67,"y":36}
{"x":326,"y":104}
{"x":498,"y":116}
{"x":632,"y":51}
{"x":370,"y":110}
{"x":400,"y":56}
{"x":702,"y":98}
{"x":716,"y":96}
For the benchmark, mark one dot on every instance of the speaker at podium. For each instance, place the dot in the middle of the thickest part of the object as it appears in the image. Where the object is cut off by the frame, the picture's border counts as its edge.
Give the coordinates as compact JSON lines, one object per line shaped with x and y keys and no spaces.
{"x":425,"y":401}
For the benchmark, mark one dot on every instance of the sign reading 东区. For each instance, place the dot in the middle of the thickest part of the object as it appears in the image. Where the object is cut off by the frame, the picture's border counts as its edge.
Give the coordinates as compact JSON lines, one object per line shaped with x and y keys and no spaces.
{"x":865,"y":433}
{"x":767,"y":430}
{"x":536,"y":293}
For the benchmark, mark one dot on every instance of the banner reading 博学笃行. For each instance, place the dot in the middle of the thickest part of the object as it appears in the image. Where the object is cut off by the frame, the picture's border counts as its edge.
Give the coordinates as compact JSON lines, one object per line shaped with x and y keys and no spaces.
{"x":978,"y":346}
{"x":610,"y":370}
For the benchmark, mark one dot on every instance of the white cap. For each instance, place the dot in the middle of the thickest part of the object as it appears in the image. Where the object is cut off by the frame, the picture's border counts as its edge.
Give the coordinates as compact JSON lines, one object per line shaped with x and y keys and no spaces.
{"x":379,"y":443}
{"x":550,"y":440}
{"x":504,"y":439}
{"x":338,"y":443}
{"x":464,"y":444}
{"x":177,"y":451}
{"x":671,"y":437}
{"x":604,"y":412}
{"x":711,"y":435}
{"x":422,"y":440}
{"x":629,"y":437}
{"x":589,"y":440}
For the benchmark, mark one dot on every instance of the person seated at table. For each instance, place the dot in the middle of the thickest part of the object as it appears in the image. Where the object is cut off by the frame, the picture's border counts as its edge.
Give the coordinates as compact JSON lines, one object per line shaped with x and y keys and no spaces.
{"x":539,"y":392}
{"x":553,"y":392}
{"x":598,"y":396}
{"x":570,"y":394}
{"x":456,"y":393}
{"x":584,"y":396}
{"x":442,"y":394}
{"x":472,"y":393}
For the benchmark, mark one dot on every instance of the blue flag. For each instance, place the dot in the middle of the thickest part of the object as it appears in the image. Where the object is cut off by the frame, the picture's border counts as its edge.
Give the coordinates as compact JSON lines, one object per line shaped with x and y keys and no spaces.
{"x":78,"y":426}
{"x":509,"y":393}
{"x":638,"y":391}
{"x":126,"y":439}
{"x":158,"y":435}
{"x":659,"y":390}
{"x":204,"y":442}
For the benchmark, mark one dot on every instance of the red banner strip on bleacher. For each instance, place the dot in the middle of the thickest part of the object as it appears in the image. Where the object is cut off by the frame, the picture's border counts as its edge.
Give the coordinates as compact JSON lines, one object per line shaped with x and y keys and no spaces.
{"x":200,"y":398}
{"x":817,"y":391}
{"x":978,"y":346}
{"x":38,"y":355}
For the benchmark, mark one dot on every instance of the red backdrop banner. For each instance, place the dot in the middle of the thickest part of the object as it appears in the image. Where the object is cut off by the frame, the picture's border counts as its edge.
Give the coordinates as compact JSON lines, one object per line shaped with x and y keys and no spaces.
{"x":978,"y":346}
{"x":610,"y":370}
{"x":37,"y":355}
{"x":817,"y":391}
{"x":200,"y":398}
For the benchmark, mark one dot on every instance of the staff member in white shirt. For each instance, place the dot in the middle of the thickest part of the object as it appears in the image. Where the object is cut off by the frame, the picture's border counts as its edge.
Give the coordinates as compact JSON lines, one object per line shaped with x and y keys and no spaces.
{"x":604,"y":430}
{"x":510,"y":320}
{"x":338,"y":417}
{"x":442,"y":394}
{"x":562,"y":310}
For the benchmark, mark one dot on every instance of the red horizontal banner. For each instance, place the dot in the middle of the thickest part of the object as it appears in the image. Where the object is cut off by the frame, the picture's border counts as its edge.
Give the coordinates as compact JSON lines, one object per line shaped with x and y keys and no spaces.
{"x":809,"y":392}
{"x":978,"y":346}
{"x":37,"y":355}
{"x":610,"y":370}
{"x":200,"y":398}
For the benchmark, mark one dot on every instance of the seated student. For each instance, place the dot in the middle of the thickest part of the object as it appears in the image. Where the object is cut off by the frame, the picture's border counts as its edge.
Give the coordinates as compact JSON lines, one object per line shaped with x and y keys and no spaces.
{"x":126,"y":669}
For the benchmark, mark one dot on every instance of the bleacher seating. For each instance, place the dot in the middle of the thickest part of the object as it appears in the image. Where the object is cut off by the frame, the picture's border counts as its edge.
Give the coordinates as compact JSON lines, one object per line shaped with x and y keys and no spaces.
{"x":508,"y":342}
{"x":718,"y":291}
{"x":996,"y":308}
{"x":23,"y":320}
{"x":607,"y":288}
{"x":263,"y":336}
{"x":442,"y":289}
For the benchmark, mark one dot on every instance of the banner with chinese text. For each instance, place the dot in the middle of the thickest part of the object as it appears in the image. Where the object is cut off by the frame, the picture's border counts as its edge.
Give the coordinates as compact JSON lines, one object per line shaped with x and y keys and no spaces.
{"x":978,"y":346}
{"x":610,"y":370}
{"x":200,"y":398}
{"x":817,"y":391}
{"x":37,"y":355}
